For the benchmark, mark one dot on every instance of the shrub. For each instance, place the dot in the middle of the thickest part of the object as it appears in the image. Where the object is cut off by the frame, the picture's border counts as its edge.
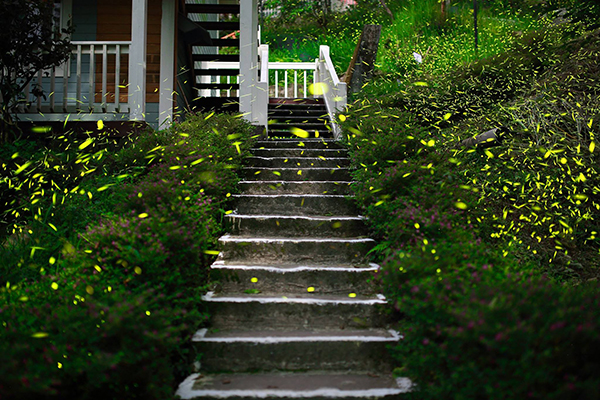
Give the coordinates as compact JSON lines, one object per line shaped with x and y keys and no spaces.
{"x":512,"y":338}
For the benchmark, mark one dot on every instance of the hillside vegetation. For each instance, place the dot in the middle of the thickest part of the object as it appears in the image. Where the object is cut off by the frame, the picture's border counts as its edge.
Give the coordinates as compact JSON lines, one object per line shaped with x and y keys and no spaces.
{"x":489,"y":253}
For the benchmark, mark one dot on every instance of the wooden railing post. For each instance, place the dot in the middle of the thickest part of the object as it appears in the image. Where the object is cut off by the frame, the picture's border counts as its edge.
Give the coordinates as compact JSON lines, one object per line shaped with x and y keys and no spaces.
{"x":248,"y":56}
{"x":137,"y":60}
{"x":167,"y":66}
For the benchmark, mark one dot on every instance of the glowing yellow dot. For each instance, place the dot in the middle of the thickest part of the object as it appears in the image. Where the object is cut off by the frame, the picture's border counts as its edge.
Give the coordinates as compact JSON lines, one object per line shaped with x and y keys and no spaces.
{"x":140,"y":194}
{"x":254,"y":280}
{"x":352,"y":295}
{"x":52,"y":260}
{"x":460,"y":205}
{"x":137,"y":270}
{"x":228,"y":194}
{"x":342,"y":117}
{"x":563,"y":160}
{"x":100,"y":125}
{"x":148,"y":313}
{"x":54,"y":285}
{"x":310,"y":289}
{"x":89,"y":289}
{"x":417,"y":225}
{"x":143,"y":215}
{"x":59,"y":365}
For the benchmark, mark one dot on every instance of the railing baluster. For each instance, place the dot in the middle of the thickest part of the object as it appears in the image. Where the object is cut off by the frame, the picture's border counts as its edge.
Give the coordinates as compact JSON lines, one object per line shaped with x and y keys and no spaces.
{"x":117,"y":76}
{"x":305,"y":75}
{"x":92,"y":77}
{"x":276,"y":83}
{"x":78,"y":98}
{"x":39,"y":98}
{"x":229,"y":89}
{"x":295,"y":84}
{"x":285,"y":80}
{"x":66,"y":82}
{"x":27,"y":96}
{"x":52,"y":87}
{"x":104,"y":75}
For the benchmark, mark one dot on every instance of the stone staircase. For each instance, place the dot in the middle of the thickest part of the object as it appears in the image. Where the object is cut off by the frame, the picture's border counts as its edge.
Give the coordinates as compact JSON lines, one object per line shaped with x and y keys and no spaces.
{"x":293,"y":315}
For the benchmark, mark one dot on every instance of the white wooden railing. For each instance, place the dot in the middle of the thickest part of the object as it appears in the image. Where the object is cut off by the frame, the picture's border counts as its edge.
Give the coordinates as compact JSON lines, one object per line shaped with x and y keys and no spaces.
{"x":316,"y":79}
{"x":81,"y":85}
{"x":333,"y":91}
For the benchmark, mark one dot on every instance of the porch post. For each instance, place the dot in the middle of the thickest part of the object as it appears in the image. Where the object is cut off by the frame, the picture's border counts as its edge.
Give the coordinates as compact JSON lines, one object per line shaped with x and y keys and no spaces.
{"x":137,"y":60}
{"x":248,"y":55}
{"x":167,"y":64}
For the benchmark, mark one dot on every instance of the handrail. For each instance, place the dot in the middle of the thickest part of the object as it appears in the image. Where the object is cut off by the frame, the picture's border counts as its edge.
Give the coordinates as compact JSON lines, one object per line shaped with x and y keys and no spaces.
{"x":334,"y":91}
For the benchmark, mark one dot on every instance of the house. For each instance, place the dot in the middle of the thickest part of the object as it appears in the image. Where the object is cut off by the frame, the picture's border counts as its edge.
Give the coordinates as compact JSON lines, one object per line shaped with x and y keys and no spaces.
{"x":152,"y":60}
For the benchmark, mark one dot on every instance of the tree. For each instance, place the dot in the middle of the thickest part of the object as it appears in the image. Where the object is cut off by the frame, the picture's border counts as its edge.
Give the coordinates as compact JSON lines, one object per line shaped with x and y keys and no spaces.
{"x":30,"y":40}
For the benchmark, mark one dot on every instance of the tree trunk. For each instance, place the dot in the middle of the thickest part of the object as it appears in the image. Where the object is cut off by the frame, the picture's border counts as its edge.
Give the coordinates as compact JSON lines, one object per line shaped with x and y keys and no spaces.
{"x":363,"y":62}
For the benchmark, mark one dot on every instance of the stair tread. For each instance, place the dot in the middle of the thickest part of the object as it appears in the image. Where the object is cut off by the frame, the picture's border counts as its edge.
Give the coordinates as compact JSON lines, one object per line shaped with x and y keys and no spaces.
{"x":281,"y":239}
{"x":221,"y":264}
{"x":314,"y":384}
{"x":287,"y":298}
{"x":306,"y":217}
{"x":296,"y":335}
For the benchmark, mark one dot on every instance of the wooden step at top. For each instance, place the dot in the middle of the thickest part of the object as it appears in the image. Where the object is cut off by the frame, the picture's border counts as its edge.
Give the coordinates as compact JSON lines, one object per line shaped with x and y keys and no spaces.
{"x":219,"y":26}
{"x":217,"y":72}
{"x":308,"y":386}
{"x":212,"y":8}
{"x":275,"y":101}
{"x":223,"y":43}
{"x":217,"y":86}
{"x":286,"y":187}
{"x":216,"y":57}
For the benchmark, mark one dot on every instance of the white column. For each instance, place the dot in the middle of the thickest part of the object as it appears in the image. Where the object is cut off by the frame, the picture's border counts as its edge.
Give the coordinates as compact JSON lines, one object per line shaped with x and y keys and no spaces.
{"x":167,"y":64}
{"x":248,"y":55}
{"x":137,"y":60}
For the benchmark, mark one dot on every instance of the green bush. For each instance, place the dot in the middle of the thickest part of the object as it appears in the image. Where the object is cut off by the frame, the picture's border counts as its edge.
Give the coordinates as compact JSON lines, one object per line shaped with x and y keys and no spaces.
{"x":521,"y":337}
{"x":110,"y":300}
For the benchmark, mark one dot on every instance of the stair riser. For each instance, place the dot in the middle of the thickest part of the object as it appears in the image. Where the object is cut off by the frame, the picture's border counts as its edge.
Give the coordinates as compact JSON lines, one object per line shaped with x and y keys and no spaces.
{"x":275,"y":316}
{"x":275,"y":187}
{"x":317,"y":252}
{"x":294,"y":227}
{"x":299,"y":152}
{"x":307,"y":126}
{"x":306,"y":174}
{"x":238,"y":281}
{"x":295,"y":143}
{"x":310,"y":134}
{"x":304,"y":162}
{"x":294,"y":120}
{"x":294,"y":205}
{"x":295,"y":356}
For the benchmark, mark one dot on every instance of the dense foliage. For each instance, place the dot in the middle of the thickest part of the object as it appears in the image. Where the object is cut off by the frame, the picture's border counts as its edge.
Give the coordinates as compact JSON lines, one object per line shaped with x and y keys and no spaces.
{"x":31,"y":40}
{"x":106,"y":255}
{"x":489,"y":253}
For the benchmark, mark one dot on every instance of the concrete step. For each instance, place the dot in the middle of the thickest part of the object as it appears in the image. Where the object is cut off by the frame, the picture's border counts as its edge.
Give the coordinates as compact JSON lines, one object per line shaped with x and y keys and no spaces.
{"x":298,"y":279}
{"x":297,"y":174}
{"x":295,"y":225}
{"x":298,"y":152}
{"x":308,"y":133}
{"x":295,"y":312}
{"x":307,"y":126}
{"x":291,"y":118}
{"x":313,"y":385}
{"x":286,"y":251}
{"x":234,"y":350}
{"x":283,"y":187}
{"x":294,"y":204}
{"x":300,"y":162}
{"x":295,"y":142}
